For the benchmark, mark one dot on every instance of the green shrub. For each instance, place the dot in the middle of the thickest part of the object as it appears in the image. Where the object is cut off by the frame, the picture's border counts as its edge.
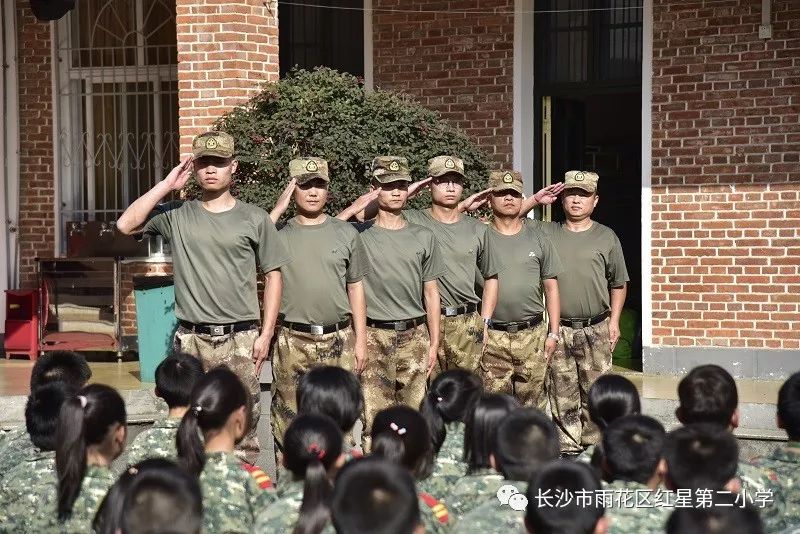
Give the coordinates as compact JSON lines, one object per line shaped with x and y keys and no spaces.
{"x":329,"y":114}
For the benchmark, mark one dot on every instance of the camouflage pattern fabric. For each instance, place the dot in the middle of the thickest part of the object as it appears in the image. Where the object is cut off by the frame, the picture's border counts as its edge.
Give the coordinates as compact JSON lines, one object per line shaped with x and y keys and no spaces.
{"x":231,"y":496}
{"x":395,"y":373}
{"x":586,"y":456}
{"x":470,"y":491}
{"x":158,"y":441}
{"x":491,"y":516}
{"x":236,"y":351}
{"x":461,"y":344}
{"x":17,"y":447}
{"x":514,"y":364}
{"x":636,"y":520}
{"x":293,"y":355}
{"x":450,"y":465}
{"x":435,"y":515}
{"x":96,"y":483}
{"x":581,"y":356}
{"x":24,"y":492}
{"x":282,"y":515}
{"x":785,"y":462}
{"x":759,"y":479}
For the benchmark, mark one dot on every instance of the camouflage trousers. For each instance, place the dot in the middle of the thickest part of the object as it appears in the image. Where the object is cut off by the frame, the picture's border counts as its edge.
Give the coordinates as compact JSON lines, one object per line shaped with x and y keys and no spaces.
{"x":461,"y":344}
{"x":395,"y":373}
{"x":580,"y":358}
{"x":293,"y":355}
{"x":235,"y":351}
{"x":514,"y":363}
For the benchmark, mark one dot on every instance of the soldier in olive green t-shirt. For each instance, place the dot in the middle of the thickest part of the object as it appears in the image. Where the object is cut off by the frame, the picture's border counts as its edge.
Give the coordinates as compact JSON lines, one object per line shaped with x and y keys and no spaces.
{"x":323,"y":309}
{"x":402,"y":297}
{"x":520,"y":342}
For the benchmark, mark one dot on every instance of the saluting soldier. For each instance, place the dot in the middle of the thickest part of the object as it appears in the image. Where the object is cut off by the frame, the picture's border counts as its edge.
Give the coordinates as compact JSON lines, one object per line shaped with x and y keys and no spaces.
{"x":323,"y":309}
{"x":403,"y":304}
{"x":217,"y":243}
{"x":520,"y":342}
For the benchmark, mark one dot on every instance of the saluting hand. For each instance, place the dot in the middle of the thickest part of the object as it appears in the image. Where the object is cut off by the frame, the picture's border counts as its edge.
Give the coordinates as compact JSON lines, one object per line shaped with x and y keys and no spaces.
{"x":286,"y":196}
{"x":474,"y":201}
{"x":549,"y":194}
{"x":179,"y":175}
{"x":417,"y":187}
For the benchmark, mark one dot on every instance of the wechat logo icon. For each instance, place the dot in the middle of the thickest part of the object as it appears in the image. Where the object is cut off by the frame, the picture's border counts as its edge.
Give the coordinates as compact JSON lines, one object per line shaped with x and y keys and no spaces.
{"x":511,"y":496}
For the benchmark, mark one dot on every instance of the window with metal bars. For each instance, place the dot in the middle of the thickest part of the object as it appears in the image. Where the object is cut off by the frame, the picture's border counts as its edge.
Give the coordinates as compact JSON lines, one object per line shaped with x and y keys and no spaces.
{"x":117,"y":104}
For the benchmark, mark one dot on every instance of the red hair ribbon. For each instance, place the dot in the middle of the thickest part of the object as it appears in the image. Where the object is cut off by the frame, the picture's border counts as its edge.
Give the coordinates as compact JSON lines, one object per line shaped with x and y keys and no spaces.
{"x":317,"y":450}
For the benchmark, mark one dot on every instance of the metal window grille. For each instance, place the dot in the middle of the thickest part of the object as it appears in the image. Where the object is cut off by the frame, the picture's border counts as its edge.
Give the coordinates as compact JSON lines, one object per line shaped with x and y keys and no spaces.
{"x":117,"y":100}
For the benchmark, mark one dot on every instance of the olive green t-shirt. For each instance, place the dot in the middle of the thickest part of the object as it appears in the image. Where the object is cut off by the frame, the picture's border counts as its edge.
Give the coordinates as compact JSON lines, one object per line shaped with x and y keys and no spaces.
{"x":463,"y":246}
{"x":402,"y":261}
{"x":526,"y":258}
{"x":325,"y":258}
{"x":595,"y":263}
{"x":215,"y":256}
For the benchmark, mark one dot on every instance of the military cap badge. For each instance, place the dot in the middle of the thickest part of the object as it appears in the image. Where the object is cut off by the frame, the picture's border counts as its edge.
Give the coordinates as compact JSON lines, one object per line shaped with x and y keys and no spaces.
{"x":211,"y":143}
{"x":507,"y":178}
{"x":394,"y":166}
{"x":311,"y":166}
{"x":449,"y":163}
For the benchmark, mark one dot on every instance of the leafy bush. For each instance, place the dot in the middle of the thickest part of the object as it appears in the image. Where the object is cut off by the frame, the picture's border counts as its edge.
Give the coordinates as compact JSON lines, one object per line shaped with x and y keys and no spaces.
{"x":329,"y":114}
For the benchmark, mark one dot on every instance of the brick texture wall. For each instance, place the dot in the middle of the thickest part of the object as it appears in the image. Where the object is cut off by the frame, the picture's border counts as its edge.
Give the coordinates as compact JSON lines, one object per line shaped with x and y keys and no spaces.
{"x":36,"y":188}
{"x":455,"y":63}
{"x":225,"y":49}
{"x":726,"y":169}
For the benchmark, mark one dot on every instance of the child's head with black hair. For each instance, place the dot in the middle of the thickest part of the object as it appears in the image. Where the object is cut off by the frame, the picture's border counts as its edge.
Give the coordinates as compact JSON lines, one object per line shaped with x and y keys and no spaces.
{"x":725,"y":516}
{"x":176,"y":377}
{"x":632,"y":448}
{"x":701,"y":456}
{"x":451,"y":397}
{"x":91,"y":423}
{"x":400,"y":435}
{"x":789,"y":407}
{"x":152,"y":496}
{"x":708,"y":395}
{"x":332,"y":391}
{"x":313,"y":453}
{"x":42,"y":411}
{"x":481,"y":426}
{"x":373,"y":495}
{"x":219,"y":404}
{"x":525,"y":440}
{"x":612,"y":397}
{"x":564,"y":477}
{"x":60,"y":366}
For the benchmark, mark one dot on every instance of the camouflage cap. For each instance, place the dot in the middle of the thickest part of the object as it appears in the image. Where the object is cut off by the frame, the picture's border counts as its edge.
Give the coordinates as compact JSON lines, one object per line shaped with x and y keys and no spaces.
{"x":441,"y":165}
{"x":582,"y":180}
{"x":305,"y":169}
{"x":505,"y":180}
{"x":213,"y":143}
{"x":387,"y":169}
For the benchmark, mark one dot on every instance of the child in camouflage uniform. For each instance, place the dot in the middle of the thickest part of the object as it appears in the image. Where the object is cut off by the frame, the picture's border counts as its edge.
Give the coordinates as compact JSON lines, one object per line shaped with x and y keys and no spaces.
{"x":175,"y":379}
{"x":233,"y":494}
{"x":313,"y":455}
{"x":726,"y":516}
{"x":525,"y":441}
{"x":451,"y":397}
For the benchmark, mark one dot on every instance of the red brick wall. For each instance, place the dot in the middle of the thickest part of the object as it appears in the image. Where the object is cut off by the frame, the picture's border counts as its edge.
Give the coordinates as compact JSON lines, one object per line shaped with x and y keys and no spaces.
{"x":36,"y":187}
{"x":225,"y":48}
{"x":458,"y":64}
{"x":726,"y":169}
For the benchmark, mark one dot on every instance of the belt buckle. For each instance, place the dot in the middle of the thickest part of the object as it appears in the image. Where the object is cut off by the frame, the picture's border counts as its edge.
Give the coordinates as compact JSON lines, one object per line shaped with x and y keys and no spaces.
{"x":217,"y":330}
{"x":400,"y":326}
{"x":450,"y":311}
{"x":513,"y":328}
{"x":577,"y":325}
{"x":317,"y":329}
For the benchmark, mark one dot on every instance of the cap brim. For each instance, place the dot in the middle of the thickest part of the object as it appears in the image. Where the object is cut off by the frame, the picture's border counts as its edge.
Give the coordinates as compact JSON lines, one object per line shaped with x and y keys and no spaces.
{"x":211,"y":152}
{"x":303,"y":178}
{"x":587,"y":188}
{"x":446,"y":171}
{"x":506,"y":187}
{"x":388,"y":178}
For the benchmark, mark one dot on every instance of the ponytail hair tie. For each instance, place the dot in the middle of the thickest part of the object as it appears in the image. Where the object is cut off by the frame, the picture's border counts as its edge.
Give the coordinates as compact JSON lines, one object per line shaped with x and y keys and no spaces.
{"x":197,"y":409}
{"x":439,"y":399}
{"x":83,"y":400}
{"x":400,"y":431}
{"x":132,"y":471}
{"x":316,"y":450}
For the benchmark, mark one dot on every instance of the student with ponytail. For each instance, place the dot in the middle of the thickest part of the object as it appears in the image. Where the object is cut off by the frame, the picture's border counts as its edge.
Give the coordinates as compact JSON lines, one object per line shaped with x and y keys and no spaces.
{"x":401,"y":436}
{"x":233,"y":492}
{"x":449,"y":400}
{"x":91,"y":433}
{"x":312,"y":456}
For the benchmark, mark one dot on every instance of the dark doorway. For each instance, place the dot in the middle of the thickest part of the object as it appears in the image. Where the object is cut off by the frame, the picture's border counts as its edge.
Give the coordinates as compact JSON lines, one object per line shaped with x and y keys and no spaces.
{"x":588,"y":117}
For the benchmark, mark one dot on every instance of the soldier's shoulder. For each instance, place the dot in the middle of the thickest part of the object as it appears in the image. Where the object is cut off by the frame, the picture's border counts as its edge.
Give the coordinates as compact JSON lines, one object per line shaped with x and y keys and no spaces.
{"x":435,"y":507}
{"x":258,"y":475}
{"x":491,"y":516}
{"x":343,"y":227}
{"x":756,"y":475}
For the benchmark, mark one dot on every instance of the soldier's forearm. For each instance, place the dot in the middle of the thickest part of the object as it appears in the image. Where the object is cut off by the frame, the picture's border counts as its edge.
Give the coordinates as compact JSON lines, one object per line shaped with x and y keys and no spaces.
{"x":618,"y":296}
{"x":358,"y":309}
{"x":553,"y":303}
{"x":489,"y":300}
{"x":273,"y":288}
{"x":433,"y":309}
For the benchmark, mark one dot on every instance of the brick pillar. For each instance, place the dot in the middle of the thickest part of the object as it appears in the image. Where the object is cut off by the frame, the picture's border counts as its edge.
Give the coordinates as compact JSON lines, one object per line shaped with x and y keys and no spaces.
{"x":36,"y":188}
{"x":225,"y":49}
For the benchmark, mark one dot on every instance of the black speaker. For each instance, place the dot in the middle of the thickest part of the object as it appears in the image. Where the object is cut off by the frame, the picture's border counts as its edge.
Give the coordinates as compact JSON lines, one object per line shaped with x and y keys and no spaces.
{"x":51,"y":9}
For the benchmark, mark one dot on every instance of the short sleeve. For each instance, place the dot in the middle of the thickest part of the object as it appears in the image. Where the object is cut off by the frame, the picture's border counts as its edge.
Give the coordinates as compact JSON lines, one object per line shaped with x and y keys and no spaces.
{"x":270,"y":249}
{"x":432,"y":262}
{"x":616,"y":270}
{"x":488,"y":260}
{"x":161,"y":219}
{"x":550,"y":264}
{"x":358,"y":266}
